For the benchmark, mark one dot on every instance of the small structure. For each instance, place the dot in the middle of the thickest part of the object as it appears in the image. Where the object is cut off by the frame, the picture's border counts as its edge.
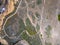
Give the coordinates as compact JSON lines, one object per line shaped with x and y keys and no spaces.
{"x":3,"y":4}
{"x":2,"y":10}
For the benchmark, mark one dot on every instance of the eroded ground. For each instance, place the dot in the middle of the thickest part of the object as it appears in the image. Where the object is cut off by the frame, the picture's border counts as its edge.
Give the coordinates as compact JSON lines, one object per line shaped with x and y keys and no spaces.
{"x":31,"y":22}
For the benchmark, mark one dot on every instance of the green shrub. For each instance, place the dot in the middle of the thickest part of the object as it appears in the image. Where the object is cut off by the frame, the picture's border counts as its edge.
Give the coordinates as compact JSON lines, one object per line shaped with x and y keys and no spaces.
{"x":29,"y":27}
{"x":39,"y":2}
{"x":58,"y":17}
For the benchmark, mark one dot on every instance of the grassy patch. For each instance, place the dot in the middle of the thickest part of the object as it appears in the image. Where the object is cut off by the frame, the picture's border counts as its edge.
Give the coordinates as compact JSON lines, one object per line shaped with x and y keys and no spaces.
{"x":21,"y":25}
{"x":31,"y":30}
{"x":29,"y":27}
{"x":25,"y":36}
{"x":32,"y":41}
{"x":39,"y":2}
{"x":48,"y":29}
{"x":37,"y":27}
{"x":33,"y":17}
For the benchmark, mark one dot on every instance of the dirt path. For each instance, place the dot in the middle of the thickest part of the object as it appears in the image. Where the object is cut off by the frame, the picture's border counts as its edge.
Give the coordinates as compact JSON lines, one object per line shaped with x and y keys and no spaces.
{"x":10,"y":8}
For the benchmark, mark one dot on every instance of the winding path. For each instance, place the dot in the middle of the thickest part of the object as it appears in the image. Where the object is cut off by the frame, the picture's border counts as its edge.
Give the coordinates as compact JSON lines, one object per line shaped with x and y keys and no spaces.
{"x":9,"y":18}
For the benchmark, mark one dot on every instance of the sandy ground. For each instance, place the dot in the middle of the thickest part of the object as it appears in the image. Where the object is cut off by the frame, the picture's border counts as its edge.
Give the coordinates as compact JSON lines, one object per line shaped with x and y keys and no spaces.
{"x":3,"y":41}
{"x":9,"y":10}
